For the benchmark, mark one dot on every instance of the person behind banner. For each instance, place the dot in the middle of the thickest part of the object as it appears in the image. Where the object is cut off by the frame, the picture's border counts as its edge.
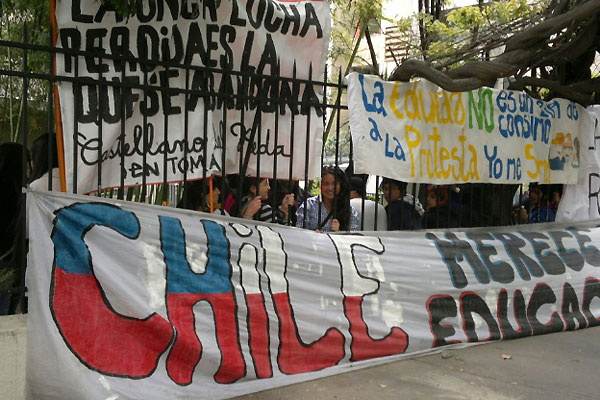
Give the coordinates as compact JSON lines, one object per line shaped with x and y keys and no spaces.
{"x":283,"y":188}
{"x":331,"y":210}
{"x":556,"y":191}
{"x":359,"y":203}
{"x":520,"y":207}
{"x":538,"y":201}
{"x":438,"y":213}
{"x":401,"y":214}
{"x":11,"y":224}
{"x":196,"y":196}
{"x":255,"y":202}
{"x":44,"y":161}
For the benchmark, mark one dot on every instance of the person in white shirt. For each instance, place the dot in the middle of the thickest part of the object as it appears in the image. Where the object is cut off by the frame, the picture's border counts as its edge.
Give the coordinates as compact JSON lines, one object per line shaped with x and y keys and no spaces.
{"x":359,"y":203}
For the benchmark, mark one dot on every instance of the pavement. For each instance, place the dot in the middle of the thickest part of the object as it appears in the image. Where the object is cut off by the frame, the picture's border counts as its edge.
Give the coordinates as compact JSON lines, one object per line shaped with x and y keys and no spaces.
{"x":561,"y":366}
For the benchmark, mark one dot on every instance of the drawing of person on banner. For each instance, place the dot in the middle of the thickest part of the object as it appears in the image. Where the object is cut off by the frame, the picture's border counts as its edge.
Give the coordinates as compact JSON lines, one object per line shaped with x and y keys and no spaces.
{"x":401,"y":214}
{"x":561,"y":152}
{"x":330,"y":211}
{"x":255,"y":202}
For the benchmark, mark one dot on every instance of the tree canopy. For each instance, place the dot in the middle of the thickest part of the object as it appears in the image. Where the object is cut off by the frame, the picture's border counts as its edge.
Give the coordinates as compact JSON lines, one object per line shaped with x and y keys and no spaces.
{"x":546,"y":48}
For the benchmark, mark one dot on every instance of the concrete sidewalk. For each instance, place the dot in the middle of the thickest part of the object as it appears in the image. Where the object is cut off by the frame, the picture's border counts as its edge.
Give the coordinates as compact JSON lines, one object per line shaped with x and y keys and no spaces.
{"x":556,"y":366}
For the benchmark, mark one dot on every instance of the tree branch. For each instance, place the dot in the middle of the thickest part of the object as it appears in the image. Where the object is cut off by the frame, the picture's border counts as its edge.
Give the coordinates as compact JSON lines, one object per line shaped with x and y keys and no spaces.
{"x":524,"y":50}
{"x":371,"y":49}
{"x":553,"y":25}
{"x":564,"y":91}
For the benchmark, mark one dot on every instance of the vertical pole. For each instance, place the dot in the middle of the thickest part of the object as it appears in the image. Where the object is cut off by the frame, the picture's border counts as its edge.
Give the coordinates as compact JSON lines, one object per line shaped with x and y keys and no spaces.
{"x":292,"y":128}
{"x":100,"y":144}
{"x":122,"y":171}
{"x":337,"y":157}
{"x":77,"y":100}
{"x":145,"y":135}
{"x":275,"y":145}
{"x":307,"y":151}
{"x":206,"y":98}
{"x":242,"y":98}
{"x":186,"y":119}
{"x":23,"y":219}
{"x":165,"y":191}
{"x":224,"y":150}
{"x":50,"y":122}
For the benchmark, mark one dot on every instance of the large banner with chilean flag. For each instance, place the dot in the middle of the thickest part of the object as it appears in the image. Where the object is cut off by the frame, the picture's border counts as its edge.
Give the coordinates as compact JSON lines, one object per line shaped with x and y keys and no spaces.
{"x":131,"y":301}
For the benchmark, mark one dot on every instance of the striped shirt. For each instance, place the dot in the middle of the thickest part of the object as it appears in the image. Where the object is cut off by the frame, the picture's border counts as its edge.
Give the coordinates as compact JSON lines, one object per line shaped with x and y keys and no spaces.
{"x":264,"y":213}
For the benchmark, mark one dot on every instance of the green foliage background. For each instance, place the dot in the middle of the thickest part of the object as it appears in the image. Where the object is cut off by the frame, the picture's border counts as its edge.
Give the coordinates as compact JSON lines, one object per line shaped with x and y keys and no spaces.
{"x":14,"y":17}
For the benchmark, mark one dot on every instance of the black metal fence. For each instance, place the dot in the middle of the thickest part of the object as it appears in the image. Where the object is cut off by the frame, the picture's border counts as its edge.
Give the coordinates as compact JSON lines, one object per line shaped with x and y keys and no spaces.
{"x":418,"y":206}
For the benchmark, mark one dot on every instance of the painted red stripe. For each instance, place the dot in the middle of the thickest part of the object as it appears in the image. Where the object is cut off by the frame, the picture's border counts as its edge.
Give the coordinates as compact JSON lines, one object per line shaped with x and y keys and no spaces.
{"x":258,"y":325}
{"x":102,"y":339}
{"x":187,"y":349}
{"x":295,"y":356}
{"x":364,"y":347}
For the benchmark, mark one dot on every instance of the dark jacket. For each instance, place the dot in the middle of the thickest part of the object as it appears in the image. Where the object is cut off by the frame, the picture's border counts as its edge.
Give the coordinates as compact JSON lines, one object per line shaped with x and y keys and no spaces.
{"x":440,"y":217}
{"x":403,"y":216}
{"x":541,"y":213}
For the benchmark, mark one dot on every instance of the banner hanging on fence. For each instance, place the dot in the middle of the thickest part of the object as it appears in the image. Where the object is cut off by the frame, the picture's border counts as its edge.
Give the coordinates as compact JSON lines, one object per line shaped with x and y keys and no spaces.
{"x":418,"y":132}
{"x":581,"y":202}
{"x":211,"y":85}
{"x":134,"y":301}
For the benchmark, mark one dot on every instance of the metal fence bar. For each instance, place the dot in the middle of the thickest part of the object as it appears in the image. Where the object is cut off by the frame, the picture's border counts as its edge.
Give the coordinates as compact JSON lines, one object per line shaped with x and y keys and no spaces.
{"x":100,"y":132}
{"x":145,"y":134}
{"x":22,"y":251}
{"x":223,"y":132}
{"x":164,"y":193}
{"x":51,"y":129}
{"x":76,"y":100}
{"x":275,"y":144}
{"x":292,"y":137}
{"x":122,"y":170}
{"x":337,"y":158}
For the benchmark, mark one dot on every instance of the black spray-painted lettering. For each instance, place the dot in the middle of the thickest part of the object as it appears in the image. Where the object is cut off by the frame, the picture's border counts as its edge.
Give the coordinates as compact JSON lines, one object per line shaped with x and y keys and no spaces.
{"x":478,"y":248}
{"x":471,"y":303}
{"x":533,"y":317}
{"x":455,"y":250}
{"x":440,"y":307}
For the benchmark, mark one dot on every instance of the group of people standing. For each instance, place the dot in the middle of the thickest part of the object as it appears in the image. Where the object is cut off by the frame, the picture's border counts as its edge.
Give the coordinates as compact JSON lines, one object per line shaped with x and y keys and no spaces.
{"x":341,"y":204}
{"x":539,"y":204}
{"x":347,"y":207}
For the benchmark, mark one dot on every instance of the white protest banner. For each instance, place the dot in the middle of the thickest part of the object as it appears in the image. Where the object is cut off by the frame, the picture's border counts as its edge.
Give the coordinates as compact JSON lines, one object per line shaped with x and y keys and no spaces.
{"x":132,"y":301}
{"x":207,"y":48}
{"x":417,"y":132}
{"x":581,"y":201}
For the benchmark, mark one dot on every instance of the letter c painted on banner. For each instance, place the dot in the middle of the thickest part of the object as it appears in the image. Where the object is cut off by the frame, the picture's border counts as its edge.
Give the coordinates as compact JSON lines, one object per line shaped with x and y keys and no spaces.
{"x":129,"y":347}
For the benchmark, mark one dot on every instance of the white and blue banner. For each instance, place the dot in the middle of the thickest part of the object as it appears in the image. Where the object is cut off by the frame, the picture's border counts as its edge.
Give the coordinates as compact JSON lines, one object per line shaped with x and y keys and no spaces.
{"x":129,"y":301}
{"x":190,"y":86}
{"x":419,"y":132}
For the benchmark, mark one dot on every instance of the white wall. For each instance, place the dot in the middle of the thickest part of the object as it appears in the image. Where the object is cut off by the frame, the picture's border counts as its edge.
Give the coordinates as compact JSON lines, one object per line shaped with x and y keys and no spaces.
{"x":13,"y":338}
